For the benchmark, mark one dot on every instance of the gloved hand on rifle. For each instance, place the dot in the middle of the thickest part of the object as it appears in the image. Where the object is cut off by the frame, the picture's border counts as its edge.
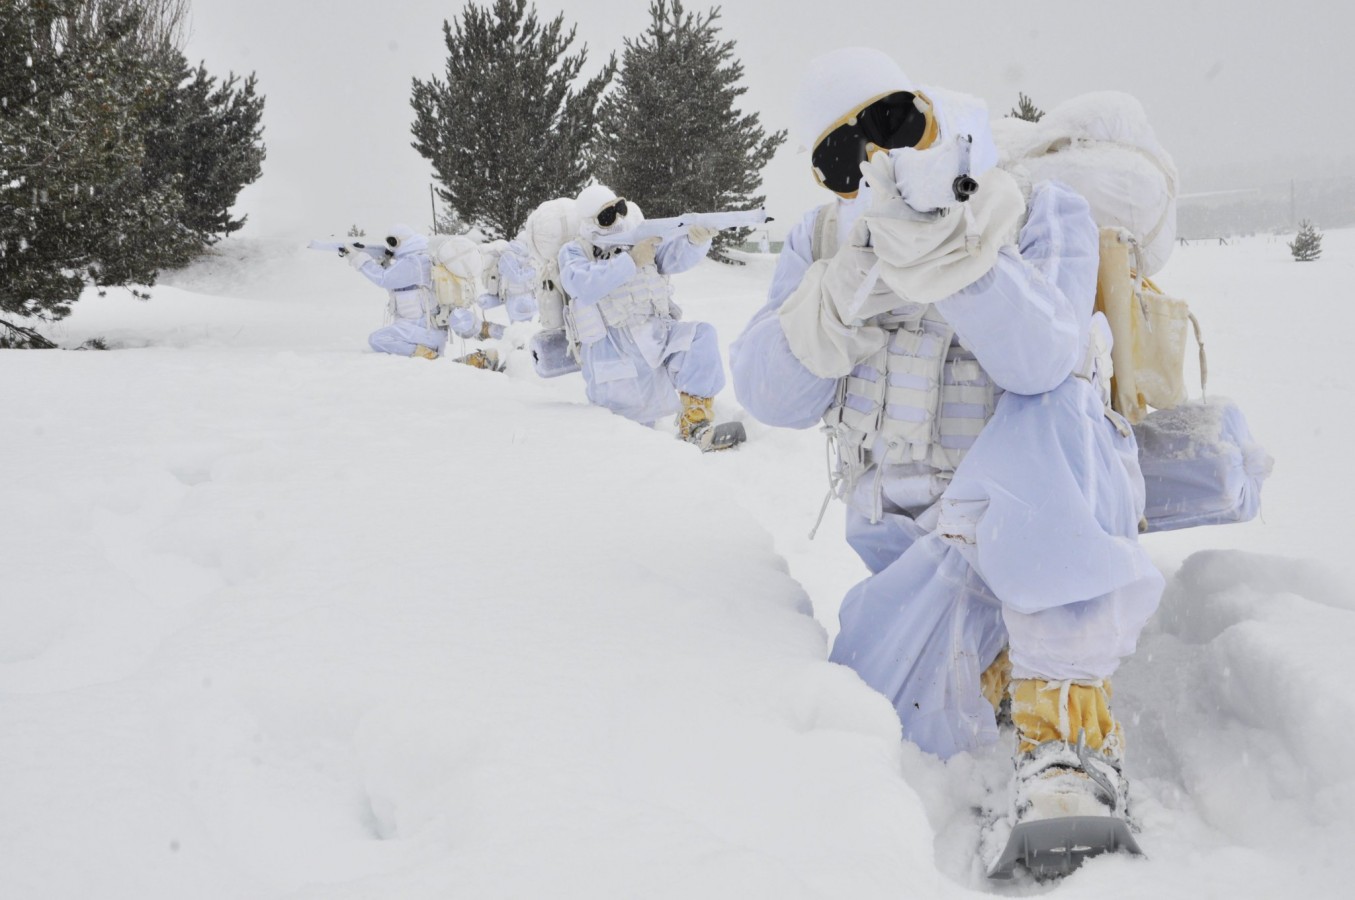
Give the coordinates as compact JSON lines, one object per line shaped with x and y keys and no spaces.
{"x":642,"y":254}
{"x":936,"y":178}
{"x":356,"y":256}
{"x":700,"y":234}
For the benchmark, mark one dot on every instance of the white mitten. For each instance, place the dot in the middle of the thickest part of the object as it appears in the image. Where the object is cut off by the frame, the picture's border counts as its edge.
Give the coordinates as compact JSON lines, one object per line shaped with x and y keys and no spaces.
{"x":643,"y":252}
{"x":885,"y":202}
{"x":356,"y":256}
{"x":926,"y":178}
{"x":700,"y":234}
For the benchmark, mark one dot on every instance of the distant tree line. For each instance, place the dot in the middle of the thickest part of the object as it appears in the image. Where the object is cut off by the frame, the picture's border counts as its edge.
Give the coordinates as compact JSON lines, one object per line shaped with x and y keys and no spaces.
{"x":1275,"y":208}
{"x":512,"y":123}
{"x":117,"y":158}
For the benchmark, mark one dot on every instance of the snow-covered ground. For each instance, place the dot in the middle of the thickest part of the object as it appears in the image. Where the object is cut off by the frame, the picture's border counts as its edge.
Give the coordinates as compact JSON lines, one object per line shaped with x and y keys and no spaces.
{"x":280,"y":617}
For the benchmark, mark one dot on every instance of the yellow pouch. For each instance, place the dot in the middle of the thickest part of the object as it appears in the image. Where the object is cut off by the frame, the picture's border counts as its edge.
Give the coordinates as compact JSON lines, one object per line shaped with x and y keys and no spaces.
{"x":1150,"y":331}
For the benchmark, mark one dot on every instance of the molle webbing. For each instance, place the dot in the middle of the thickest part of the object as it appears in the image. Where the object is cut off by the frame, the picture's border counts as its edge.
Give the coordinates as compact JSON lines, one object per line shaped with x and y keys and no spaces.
{"x":643,"y":297}
{"x":921,"y":399}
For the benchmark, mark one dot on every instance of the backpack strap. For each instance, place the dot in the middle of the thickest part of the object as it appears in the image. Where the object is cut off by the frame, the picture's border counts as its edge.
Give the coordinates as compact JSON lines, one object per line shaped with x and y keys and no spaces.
{"x":824,"y":242}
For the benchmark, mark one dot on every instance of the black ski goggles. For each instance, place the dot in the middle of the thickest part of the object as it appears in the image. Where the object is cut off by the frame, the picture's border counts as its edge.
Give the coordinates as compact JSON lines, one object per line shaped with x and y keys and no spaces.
{"x":608,"y":215}
{"x":900,"y":119}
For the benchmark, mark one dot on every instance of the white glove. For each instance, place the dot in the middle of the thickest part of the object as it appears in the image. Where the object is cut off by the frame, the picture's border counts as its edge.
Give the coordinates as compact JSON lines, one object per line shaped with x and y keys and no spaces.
{"x":356,"y":256}
{"x":700,"y":234}
{"x":885,"y":201}
{"x":926,"y":178}
{"x":643,"y":253}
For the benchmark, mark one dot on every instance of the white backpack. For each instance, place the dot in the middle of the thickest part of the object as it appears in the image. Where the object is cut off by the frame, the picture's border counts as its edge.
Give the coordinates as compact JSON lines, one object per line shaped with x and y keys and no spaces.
{"x":456,"y":271}
{"x":550,"y":226}
{"x":555,"y":349}
{"x":1102,"y":146}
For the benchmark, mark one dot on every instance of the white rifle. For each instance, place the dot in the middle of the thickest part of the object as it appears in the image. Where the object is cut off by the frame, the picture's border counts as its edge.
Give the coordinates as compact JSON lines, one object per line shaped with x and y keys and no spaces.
{"x":678,"y":226}
{"x":375,"y":251}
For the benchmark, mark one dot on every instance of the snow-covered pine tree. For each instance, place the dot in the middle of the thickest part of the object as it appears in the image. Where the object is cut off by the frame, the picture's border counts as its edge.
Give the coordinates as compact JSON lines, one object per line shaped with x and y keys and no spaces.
{"x":1026,"y":109}
{"x":205,"y":138}
{"x":507,"y":129}
{"x":1307,"y":243}
{"x":161,"y":24}
{"x":673,"y":139}
{"x":75,"y":206}
{"x":447,"y":222}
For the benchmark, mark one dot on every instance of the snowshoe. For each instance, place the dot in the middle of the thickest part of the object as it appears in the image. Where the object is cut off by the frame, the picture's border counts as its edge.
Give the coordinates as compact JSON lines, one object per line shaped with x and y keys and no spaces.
{"x":718,"y":437}
{"x":1052,"y":848}
{"x":1070,"y":805}
{"x":550,"y":354}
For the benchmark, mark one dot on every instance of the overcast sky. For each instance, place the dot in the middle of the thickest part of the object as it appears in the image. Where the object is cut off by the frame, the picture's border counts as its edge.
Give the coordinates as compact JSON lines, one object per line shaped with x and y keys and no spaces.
{"x":1238,"y":91}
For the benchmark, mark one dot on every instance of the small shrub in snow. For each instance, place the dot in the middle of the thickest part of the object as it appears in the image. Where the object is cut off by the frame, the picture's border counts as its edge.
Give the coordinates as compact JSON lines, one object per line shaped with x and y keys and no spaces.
{"x":1026,"y":109}
{"x":1307,"y":244}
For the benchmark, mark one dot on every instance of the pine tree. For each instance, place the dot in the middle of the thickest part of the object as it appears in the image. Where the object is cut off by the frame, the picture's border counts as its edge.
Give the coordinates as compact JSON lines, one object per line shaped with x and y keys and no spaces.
{"x":673,"y":139}
{"x":1026,"y":109}
{"x":160,"y":29}
{"x":1307,"y":243}
{"x":205,"y":138}
{"x":116,"y":160}
{"x":507,"y":130}
{"x":75,"y":207}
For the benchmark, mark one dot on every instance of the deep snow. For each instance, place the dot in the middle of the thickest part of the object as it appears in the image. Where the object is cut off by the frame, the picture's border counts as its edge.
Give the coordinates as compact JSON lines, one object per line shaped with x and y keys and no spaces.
{"x":280,"y":617}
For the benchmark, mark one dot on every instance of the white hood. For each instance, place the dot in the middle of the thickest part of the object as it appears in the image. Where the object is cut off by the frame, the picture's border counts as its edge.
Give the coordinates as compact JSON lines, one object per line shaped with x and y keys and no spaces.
{"x":586,"y":207}
{"x":407,"y":240}
{"x":837,"y":83}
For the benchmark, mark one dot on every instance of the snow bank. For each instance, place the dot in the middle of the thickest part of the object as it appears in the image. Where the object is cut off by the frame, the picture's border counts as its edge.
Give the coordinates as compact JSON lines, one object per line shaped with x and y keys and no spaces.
{"x":1241,"y":708}
{"x":283,"y":618}
{"x":324,"y":623}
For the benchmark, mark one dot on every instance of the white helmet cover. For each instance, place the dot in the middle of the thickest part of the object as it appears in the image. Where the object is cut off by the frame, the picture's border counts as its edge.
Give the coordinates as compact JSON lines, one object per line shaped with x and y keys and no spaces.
{"x":587,"y":206}
{"x":592,"y":199}
{"x":405,"y":240}
{"x":838,"y":83}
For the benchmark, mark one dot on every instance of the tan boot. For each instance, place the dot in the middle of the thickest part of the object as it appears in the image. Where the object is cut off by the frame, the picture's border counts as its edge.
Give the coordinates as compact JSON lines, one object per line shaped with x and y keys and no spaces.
{"x":1061,"y":711}
{"x":695,"y":417}
{"x":1071,"y":798}
{"x":1069,"y":751}
{"x":995,"y":683}
{"x":422,"y":352}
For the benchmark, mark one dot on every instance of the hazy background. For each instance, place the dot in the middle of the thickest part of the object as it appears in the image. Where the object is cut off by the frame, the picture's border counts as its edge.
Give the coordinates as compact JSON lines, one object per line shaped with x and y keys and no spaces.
{"x":1245,"y":95}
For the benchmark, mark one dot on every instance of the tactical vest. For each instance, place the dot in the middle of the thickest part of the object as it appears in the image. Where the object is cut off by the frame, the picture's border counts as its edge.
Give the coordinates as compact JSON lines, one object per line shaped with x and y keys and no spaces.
{"x":924,"y":398}
{"x":643,"y":297}
{"x":416,"y":302}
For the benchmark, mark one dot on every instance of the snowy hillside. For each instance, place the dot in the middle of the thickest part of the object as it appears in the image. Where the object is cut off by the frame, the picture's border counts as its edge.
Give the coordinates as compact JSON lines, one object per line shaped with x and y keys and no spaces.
{"x":280,"y":617}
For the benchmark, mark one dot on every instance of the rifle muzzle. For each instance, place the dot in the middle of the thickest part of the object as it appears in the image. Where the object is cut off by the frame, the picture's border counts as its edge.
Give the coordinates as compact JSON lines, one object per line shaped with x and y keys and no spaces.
{"x":964,"y":188}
